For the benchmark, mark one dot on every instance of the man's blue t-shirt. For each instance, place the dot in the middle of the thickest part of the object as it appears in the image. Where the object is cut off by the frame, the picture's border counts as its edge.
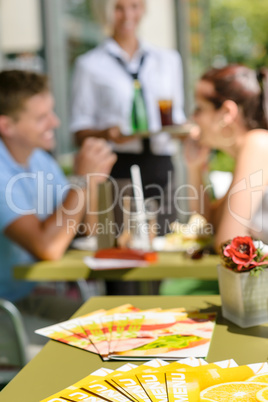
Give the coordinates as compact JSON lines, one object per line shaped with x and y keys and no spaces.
{"x":36,"y":189}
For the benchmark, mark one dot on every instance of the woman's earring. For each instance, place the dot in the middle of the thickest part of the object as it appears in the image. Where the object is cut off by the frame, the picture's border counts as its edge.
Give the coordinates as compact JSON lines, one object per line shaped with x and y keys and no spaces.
{"x":222,"y":124}
{"x":228,"y":138}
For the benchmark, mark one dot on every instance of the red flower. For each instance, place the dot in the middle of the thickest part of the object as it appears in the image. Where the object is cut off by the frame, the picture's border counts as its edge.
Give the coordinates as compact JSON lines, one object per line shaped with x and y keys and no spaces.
{"x":242,"y":252}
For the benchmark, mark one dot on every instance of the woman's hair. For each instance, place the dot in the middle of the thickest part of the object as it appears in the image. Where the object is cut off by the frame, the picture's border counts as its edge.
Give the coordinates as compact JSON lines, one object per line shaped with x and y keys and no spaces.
{"x":246,"y":87}
{"x":104,"y":12}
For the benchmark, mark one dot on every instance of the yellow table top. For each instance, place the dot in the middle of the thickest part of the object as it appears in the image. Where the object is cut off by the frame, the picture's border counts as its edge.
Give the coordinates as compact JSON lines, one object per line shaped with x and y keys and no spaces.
{"x":58,"y":365}
{"x":72,"y":267}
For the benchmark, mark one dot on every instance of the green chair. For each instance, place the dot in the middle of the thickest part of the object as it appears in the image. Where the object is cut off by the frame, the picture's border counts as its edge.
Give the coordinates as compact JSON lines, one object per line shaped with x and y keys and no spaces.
{"x":13,"y":342}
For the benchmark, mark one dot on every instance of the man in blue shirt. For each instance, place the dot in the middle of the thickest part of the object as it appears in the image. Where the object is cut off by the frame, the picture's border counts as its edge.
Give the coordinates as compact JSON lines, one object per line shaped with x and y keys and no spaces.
{"x":36,"y":202}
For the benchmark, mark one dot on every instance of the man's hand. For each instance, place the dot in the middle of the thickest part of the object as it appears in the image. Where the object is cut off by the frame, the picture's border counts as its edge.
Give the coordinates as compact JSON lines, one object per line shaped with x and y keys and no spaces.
{"x":95,"y":156}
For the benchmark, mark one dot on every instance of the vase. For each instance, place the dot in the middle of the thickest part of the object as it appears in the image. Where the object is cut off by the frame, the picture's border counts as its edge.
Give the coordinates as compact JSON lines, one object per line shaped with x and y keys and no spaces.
{"x":244,"y":297}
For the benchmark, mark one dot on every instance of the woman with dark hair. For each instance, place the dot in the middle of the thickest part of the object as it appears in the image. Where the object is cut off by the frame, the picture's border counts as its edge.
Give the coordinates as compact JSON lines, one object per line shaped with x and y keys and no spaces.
{"x":231,"y":112}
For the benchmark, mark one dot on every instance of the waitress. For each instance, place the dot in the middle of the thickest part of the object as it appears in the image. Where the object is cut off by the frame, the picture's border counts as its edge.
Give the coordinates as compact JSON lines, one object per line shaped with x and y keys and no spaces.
{"x":116,"y":88}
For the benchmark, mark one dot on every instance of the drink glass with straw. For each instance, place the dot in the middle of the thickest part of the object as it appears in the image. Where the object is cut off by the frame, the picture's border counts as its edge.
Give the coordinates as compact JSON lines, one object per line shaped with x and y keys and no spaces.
{"x":140,"y":206}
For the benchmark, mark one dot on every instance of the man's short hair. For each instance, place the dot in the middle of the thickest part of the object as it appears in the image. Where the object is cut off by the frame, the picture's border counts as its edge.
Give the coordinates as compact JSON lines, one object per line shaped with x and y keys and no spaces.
{"x":16,"y":87}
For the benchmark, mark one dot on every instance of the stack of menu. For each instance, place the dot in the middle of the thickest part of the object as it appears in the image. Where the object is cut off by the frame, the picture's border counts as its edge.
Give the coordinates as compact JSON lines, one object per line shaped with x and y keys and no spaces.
{"x":158,"y":381}
{"x":127,"y":332}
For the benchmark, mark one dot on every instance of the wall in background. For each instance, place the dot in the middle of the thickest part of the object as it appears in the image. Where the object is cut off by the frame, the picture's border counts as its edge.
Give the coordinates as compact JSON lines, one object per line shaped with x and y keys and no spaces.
{"x":158,"y":26}
{"x":20,"y":28}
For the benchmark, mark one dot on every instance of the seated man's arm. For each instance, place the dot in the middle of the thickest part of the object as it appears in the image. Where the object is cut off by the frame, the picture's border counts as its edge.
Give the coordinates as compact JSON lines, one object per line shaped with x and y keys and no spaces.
{"x":48,"y":239}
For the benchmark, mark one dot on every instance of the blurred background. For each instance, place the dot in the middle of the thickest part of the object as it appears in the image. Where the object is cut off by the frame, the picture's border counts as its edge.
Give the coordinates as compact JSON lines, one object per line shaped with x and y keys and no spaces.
{"x":47,"y":35}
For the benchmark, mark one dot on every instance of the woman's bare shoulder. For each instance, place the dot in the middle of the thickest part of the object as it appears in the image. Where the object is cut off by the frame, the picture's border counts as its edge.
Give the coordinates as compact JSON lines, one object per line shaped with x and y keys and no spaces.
{"x":257,"y":138}
{"x":253,"y":154}
{"x":255,"y":143}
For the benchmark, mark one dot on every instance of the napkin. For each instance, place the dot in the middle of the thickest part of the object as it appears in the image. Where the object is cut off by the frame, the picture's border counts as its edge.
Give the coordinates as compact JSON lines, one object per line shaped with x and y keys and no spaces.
{"x":113,"y":263}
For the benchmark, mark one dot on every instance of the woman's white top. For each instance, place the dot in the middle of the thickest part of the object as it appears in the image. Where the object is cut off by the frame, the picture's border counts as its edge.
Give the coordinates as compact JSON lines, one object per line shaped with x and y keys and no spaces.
{"x":102,"y":92}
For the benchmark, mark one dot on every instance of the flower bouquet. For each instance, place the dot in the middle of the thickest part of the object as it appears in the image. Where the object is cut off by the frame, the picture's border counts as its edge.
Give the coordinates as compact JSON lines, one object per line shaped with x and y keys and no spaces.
{"x":243,"y":282}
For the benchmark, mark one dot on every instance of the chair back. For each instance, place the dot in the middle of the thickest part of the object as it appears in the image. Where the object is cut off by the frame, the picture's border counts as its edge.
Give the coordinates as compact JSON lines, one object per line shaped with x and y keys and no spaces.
{"x":13,"y":342}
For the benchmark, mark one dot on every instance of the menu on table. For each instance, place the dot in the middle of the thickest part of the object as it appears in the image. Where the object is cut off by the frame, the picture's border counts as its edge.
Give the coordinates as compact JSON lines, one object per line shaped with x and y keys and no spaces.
{"x":128,"y":333}
{"x":189,"y":379}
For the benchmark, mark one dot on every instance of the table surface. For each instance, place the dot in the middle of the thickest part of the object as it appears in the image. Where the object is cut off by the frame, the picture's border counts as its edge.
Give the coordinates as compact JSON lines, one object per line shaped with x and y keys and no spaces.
{"x":58,"y":365}
{"x":72,"y":267}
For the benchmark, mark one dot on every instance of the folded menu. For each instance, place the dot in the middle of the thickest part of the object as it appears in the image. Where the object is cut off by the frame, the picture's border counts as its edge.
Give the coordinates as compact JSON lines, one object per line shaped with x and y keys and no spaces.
{"x":189,"y":379}
{"x":127,"y":332}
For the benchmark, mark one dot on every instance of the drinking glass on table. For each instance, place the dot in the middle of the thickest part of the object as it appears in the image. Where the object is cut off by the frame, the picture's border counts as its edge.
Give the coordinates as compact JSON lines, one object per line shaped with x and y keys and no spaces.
{"x":143,"y":223}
